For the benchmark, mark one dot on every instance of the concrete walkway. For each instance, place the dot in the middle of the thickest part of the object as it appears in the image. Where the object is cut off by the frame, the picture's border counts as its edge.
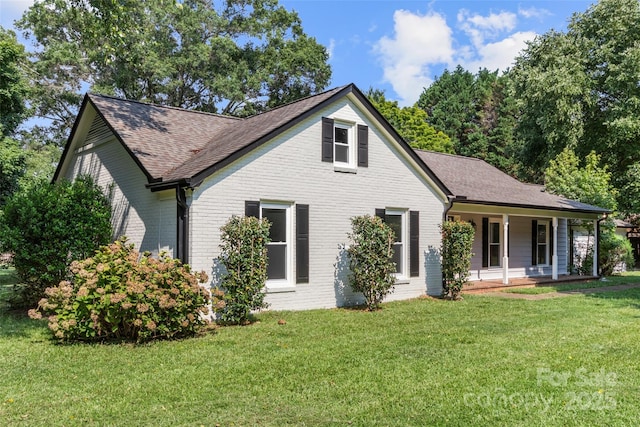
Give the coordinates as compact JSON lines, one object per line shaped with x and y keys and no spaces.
{"x":548,"y":295}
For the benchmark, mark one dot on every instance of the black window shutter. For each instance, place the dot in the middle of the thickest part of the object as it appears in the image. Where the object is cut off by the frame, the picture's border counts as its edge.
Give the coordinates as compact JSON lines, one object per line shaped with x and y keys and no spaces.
{"x":414,"y":243}
{"x":327,"y":139}
{"x":485,"y":242}
{"x":302,"y":243}
{"x":382,"y":213}
{"x":252,"y":208}
{"x":534,"y":242}
{"x":363,"y":146}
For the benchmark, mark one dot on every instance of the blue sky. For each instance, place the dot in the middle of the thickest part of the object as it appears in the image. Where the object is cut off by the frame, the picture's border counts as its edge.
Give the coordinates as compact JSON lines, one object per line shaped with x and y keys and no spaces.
{"x":402,"y":46}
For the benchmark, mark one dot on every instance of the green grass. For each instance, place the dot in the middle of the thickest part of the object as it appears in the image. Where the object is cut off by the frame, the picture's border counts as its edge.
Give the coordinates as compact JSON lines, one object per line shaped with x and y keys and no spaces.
{"x":482,"y":361}
{"x":628,"y":278}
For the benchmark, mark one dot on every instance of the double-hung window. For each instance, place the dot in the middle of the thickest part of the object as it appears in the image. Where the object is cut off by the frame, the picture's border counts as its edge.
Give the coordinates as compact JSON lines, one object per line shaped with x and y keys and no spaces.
{"x":343,"y":152}
{"x":406,"y":245}
{"x":495,"y":245}
{"x":279,"y":249}
{"x":397,"y":220}
{"x":542,"y":243}
{"x":345,"y":144}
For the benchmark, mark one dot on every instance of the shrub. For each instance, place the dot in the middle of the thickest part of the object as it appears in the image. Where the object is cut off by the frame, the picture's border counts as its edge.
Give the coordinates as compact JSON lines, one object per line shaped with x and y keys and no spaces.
{"x":370,"y":259}
{"x":457,"y":240}
{"x":244,"y":256}
{"x":47,"y":227}
{"x":120,"y":294}
{"x":614,"y":253}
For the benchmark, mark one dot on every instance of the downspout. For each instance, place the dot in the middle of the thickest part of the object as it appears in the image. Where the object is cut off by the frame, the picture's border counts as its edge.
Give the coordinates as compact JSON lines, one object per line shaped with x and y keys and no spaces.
{"x":182,"y":232}
{"x":449,"y":206}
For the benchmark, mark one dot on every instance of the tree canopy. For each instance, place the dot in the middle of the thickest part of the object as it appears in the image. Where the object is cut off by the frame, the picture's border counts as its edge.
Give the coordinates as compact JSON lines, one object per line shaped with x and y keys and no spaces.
{"x":477,"y":112}
{"x":579,"y":90}
{"x":231,"y":57}
{"x":411,"y":123}
{"x":585,"y":181}
{"x":13,"y":111}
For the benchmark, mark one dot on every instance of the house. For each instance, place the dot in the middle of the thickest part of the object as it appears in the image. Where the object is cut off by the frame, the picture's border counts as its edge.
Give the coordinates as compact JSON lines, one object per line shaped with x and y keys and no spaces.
{"x":176,"y":176}
{"x":521,"y":230}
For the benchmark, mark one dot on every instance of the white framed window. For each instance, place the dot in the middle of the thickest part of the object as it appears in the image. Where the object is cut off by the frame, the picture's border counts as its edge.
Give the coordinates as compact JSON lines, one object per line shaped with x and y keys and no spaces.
{"x":495,"y":243}
{"x":397,"y":220}
{"x":344,"y":153}
{"x":542,"y":243}
{"x":279,"y":249}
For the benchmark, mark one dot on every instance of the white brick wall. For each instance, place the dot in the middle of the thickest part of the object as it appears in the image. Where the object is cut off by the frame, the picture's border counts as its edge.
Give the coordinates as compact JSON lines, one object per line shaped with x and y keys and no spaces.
{"x":147,"y":219}
{"x":289,"y":169}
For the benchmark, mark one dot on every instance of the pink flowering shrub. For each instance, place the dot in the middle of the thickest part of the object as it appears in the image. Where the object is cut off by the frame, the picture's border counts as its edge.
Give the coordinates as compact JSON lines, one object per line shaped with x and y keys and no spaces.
{"x":120,"y":294}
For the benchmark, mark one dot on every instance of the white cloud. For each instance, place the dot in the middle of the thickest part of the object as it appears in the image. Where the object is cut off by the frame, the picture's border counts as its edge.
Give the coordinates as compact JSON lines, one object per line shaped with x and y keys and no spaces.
{"x":331,"y":48}
{"x":499,"y":55}
{"x":480,"y":28}
{"x":533,"y":12}
{"x":418,"y":42}
{"x":423,"y":44}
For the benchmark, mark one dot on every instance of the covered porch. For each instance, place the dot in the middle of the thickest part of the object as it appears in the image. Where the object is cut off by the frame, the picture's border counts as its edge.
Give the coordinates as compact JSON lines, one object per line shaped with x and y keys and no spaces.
{"x":511,"y":243}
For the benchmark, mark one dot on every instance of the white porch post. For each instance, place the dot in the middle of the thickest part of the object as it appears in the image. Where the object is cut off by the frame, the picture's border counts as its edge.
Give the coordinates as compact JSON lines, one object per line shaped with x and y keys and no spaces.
{"x":505,"y":250}
{"x":595,"y":248}
{"x":554,"y":258}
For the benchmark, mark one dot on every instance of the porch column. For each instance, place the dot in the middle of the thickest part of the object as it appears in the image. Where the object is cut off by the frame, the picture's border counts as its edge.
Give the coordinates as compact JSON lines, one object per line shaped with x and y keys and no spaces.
{"x":554,"y":258}
{"x":505,"y":250}
{"x":595,"y":247}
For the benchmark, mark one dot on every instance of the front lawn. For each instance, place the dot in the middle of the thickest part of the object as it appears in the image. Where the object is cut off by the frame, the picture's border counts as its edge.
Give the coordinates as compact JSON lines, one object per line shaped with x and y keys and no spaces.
{"x":482,"y":361}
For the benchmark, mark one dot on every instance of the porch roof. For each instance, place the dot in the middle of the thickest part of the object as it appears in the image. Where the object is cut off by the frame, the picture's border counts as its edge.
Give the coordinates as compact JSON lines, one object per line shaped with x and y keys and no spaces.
{"x":474,"y":181}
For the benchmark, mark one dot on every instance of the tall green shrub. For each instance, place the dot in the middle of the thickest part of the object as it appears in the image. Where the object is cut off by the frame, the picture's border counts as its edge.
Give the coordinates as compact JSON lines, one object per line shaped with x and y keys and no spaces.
{"x":120,"y":294}
{"x":49,"y":226}
{"x":244,"y":256}
{"x":457,"y":241}
{"x":370,"y":259}
{"x":615,"y":251}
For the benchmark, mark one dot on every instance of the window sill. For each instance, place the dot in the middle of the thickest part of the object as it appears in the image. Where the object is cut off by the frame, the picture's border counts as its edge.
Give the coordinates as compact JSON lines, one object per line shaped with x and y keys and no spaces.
{"x":345,"y":169}
{"x":402,"y":281}
{"x":276,"y":289}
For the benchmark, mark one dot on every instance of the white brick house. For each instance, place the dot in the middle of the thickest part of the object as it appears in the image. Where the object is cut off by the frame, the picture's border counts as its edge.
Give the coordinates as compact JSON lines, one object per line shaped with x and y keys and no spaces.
{"x":177,"y":176}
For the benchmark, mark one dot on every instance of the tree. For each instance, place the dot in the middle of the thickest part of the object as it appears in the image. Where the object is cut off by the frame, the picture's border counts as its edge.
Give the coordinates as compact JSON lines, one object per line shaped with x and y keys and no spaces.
{"x":411,"y":123}
{"x":477,"y":112}
{"x":587,"y":182}
{"x":580,"y":89}
{"x":13,"y":93}
{"x":233,"y":57}
{"x":49,"y":226}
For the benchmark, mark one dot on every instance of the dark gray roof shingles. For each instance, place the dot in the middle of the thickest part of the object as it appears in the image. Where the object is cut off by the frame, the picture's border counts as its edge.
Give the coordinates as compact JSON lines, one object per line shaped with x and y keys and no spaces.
{"x":174,"y":143}
{"x":480,"y":182}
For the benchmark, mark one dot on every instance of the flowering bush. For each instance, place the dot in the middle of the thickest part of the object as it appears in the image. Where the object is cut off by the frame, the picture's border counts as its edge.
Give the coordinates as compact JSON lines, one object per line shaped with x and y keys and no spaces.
{"x":120,"y":294}
{"x":244,"y":255}
{"x":370,"y":259}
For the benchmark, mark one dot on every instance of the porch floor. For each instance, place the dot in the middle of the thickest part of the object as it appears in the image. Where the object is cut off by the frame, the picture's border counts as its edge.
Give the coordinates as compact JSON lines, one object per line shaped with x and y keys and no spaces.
{"x":481,"y":286}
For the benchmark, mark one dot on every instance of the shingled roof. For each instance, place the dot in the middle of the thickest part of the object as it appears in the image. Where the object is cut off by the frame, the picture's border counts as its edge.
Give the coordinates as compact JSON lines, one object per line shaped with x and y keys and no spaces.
{"x":159,"y":137}
{"x":476,"y":181}
{"x":177,"y":145}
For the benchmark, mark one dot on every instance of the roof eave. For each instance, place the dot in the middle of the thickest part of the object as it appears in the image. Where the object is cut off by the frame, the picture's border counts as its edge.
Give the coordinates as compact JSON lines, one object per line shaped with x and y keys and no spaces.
{"x":598,"y":211}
